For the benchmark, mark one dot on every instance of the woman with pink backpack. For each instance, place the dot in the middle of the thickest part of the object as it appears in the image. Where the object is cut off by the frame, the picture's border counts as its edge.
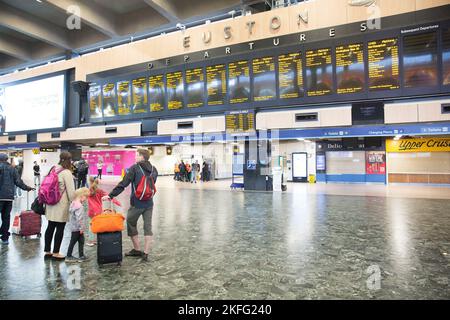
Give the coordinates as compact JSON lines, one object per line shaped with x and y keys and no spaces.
{"x":57,"y":192}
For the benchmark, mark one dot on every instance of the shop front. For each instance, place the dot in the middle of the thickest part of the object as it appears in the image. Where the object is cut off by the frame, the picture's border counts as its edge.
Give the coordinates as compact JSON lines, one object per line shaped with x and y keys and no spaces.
{"x":425,"y":160}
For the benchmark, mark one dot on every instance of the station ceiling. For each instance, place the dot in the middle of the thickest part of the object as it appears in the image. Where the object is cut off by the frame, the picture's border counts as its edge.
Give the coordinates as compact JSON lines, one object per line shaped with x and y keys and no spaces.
{"x":33,"y":32}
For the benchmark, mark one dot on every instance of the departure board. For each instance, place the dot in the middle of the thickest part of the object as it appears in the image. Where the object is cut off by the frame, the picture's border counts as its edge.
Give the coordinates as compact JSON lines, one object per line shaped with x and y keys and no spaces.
{"x":420,"y":60}
{"x":140,"y":95}
{"x":216,"y":84}
{"x":109,"y":99}
{"x":319,"y":72}
{"x":383,"y":65}
{"x":290,"y":75}
{"x":240,"y":122}
{"x":264,"y":79}
{"x":156,"y":94}
{"x":123,"y":97}
{"x":174,"y":89}
{"x":95,"y":105}
{"x":350,"y":71}
{"x":446,"y":56}
{"x":195,"y":88}
{"x":239,"y":81}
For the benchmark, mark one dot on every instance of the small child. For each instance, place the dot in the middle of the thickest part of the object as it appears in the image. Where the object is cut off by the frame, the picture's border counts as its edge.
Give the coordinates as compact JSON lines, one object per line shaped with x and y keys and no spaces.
{"x":95,"y":207}
{"x":77,"y":224}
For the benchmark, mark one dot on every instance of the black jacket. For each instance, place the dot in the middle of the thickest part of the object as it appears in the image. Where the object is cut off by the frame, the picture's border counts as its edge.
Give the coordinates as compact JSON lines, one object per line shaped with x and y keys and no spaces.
{"x":9,"y":178}
{"x":133,"y":176}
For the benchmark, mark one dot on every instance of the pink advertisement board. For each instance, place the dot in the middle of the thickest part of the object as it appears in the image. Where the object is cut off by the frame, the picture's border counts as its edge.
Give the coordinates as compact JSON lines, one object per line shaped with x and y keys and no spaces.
{"x":113,"y":161}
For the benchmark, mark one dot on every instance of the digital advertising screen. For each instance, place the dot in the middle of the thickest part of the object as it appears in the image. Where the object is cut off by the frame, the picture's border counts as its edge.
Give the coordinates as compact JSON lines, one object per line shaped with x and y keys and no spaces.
{"x":174,"y":89}
{"x":109,"y":99}
{"x":383,"y":64}
{"x":239,"y":81}
{"x":33,"y":105}
{"x":290,"y":75}
{"x":446,"y":56}
{"x":420,"y":60}
{"x":195,"y":88}
{"x":350,"y":71}
{"x":264,"y":79}
{"x":299,"y":166}
{"x":156,"y":92}
{"x":95,"y":102}
{"x":140,"y":100}
{"x":123,"y":98}
{"x":216,"y":84}
{"x":319,"y":72}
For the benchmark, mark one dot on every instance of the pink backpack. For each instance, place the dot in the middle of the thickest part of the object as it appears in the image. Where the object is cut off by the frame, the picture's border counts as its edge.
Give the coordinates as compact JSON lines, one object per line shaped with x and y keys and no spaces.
{"x":49,"y":191}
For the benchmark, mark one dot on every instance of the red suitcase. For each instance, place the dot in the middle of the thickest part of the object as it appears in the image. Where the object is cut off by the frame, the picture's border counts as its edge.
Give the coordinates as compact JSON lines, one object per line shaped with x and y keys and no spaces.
{"x":30,"y":223}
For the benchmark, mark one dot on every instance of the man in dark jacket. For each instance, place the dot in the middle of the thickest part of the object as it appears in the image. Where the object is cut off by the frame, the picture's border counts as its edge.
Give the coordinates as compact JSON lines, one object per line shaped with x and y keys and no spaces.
{"x":138,"y":208}
{"x":9,"y":180}
{"x":82,"y":172}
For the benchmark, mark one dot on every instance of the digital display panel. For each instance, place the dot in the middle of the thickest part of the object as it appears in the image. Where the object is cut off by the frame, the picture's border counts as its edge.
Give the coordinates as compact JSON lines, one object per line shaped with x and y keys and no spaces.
{"x":240,"y":122}
{"x":446,"y":56}
{"x":156,"y":92}
{"x":239,"y":81}
{"x":264,"y":79}
{"x":350,"y":71}
{"x":174,"y":89}
{"x":319,"y":72}
{"x":195,"y":88}
{"x":95,"y":102}
{"x":140,"y":95}
{"x":299,"y":166}
{"x":216,"y":84}
{"x":109,"y":99}
{"x":290,"y":75}
{"x":123,"y":98}
{"x":420,"y":60}
{"x":383,"y":65}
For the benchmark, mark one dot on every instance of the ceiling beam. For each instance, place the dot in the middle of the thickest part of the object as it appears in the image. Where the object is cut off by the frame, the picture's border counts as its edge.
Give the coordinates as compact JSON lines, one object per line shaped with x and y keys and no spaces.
{"x":33,"y":27}
{"x":164,"y":8}
{"x":14,"y":47}
{"x":90,"y":13}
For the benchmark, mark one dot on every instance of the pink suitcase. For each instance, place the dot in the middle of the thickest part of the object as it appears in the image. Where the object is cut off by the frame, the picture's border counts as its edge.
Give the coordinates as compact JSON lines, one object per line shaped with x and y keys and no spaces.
{"x":30,"y":223}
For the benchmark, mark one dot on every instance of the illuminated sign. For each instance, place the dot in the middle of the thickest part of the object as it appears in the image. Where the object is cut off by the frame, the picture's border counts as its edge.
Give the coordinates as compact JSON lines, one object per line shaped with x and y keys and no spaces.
{"x":418,"y":145}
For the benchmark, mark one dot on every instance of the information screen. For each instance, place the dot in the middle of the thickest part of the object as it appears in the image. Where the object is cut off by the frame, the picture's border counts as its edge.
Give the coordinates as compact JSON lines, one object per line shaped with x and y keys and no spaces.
{"x":109,"y":100}
{"x":319,"y":72}
{"x":156,"y":92}
{"x":420,"y":60}
{"x":383,"y":65}
{"x":95,"y":102}
{"x":174,"y":89}
{"x":446,"y":56}
{"x":299,"y":166}
{"x":216,"y":84}
{"x":123,"y":97}
{"x":264,"y":79}
{"x":290,"y":75}
{"x":350,"y":71}
{"x":140,"y":95}
{"x":240,"y":122}
{"x":195,"y":88}
{"x":239,"y":81}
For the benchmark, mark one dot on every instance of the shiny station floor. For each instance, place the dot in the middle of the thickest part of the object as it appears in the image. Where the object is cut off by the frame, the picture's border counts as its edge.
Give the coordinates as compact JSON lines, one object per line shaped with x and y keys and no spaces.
{"x":312,"y":242}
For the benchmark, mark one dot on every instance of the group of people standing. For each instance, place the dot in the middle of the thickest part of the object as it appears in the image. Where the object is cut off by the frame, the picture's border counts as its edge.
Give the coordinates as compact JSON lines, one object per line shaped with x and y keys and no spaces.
{"x":183,"y":171}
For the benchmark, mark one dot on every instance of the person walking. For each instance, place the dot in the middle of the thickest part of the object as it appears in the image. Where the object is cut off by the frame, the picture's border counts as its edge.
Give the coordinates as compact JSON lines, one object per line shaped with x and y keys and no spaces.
{"x":58,"y":214}
{"x":138,"y":208}
{"x":195,"y":171}
{"x":19,"y":169}
{"x":99,"y":168}
{"x":37,"y":174}
{"x":82,"y":172}
{"x":182,"y":171}
{"x":9,"y":180}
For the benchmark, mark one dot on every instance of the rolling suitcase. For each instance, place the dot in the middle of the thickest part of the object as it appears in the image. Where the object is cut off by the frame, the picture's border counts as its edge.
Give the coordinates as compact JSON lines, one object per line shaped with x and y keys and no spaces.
{"x":27,"y":223}
{"x":109,"y":248}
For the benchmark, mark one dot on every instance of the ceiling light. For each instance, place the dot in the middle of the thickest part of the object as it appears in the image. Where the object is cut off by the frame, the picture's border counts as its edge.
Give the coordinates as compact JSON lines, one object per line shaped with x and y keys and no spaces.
{"x":101,"y":144}
{"x":40,"y":1}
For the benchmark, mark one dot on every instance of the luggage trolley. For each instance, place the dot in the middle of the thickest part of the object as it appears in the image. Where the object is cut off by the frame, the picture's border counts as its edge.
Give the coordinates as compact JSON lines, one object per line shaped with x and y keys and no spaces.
{"x":237,"y":175}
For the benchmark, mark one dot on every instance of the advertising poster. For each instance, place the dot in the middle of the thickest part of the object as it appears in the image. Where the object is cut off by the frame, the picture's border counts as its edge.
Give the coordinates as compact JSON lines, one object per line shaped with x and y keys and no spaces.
{"x":375,"y":162}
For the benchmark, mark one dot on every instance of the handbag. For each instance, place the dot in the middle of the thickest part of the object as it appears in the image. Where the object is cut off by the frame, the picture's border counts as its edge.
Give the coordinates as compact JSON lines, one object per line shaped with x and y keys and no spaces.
{"x":38,"y":207}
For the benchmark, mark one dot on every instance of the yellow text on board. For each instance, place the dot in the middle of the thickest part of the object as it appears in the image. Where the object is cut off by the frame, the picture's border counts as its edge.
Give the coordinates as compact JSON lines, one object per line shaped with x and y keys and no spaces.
{"x":418,"y":145}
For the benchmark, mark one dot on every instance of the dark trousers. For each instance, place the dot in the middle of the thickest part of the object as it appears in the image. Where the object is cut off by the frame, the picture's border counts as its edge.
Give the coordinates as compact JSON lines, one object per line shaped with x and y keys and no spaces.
{"x":99,"y":173}
{"x":81,"y":181}
{"x":5,"y":208}
{"x":52,"y":226}
{"x":76,"y":237}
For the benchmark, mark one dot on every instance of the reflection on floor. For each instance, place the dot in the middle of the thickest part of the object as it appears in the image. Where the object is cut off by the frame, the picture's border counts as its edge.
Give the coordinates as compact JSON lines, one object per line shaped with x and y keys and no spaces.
{"x":304,"y":244}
